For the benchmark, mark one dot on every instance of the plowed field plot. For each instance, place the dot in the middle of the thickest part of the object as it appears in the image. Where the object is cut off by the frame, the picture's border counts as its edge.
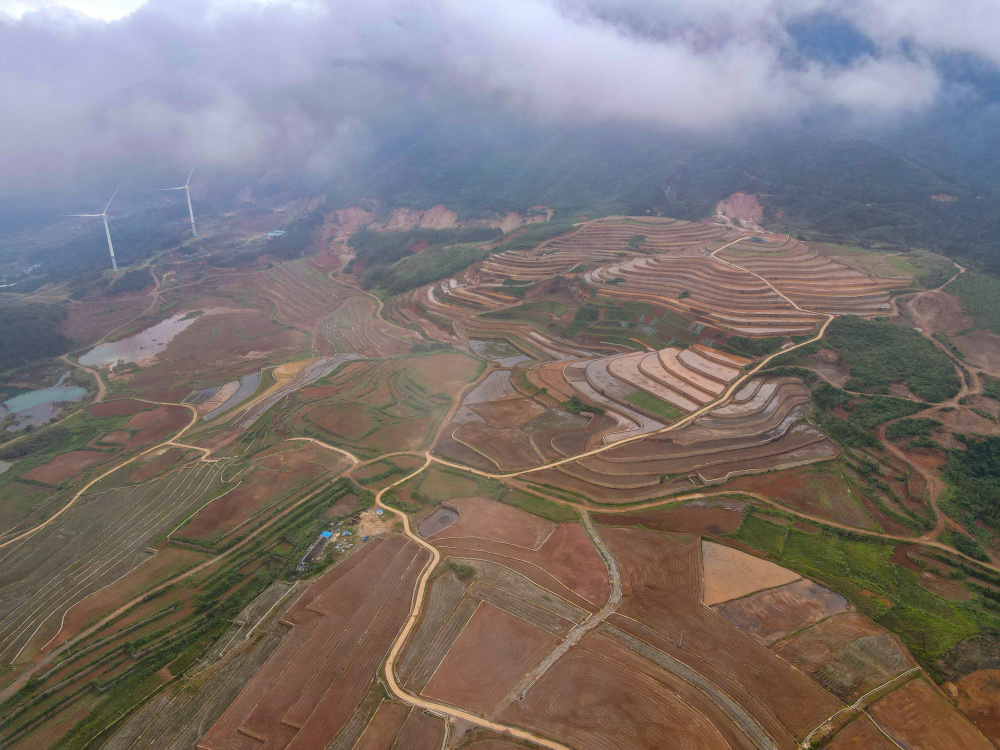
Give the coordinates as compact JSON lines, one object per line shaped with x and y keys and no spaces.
{"x":816,"y":490}
{"x":215,"y":349}
{"x":770,"y":615}
{"x":86,"y":322}
{"x":494,"y":651}
{"x":917,"y":715}
{"x":342,"y":627}
{"x":697,"y":517}
{"x":258,"y":491}
{"x":302,"y":296}
{"x":730,"y":574}
{"x":662,"y":590}
{"x":353,"y":326}
{"x":861,"y":734}
{"x":95,"y":542}
{"x":598,"y":697}
{"x":561,"y":558}
{"x":376,"y":407}
{"x":847,"y":653}
{"x":65,"y":466}
{"x":398,"y":727}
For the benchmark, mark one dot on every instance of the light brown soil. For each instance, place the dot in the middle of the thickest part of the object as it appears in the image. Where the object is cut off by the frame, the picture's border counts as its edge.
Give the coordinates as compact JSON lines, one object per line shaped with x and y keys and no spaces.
{"x":942,"y":312}
{"x":979,"y":699}
{"x":488,"y":519}
{"x":382,"y":729}
{"x":494,"y":651}
{"x":661,"y":583}
{"x":593,"y":699}
{"x":743,"y":208}
{"x":916,"y":715}
{"x":510,"y":412}
{"x":118,"y":437}
{"x":65,"y":466}
{"x":730,"y":573}
{"x":981,"y":349}
{"x":770,"y":615}
{"x":861,"y":734}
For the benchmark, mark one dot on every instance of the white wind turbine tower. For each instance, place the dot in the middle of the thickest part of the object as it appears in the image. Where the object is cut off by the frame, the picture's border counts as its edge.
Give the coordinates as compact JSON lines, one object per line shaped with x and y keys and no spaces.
{"x":107,"y":231}
{"x":187,"y":192}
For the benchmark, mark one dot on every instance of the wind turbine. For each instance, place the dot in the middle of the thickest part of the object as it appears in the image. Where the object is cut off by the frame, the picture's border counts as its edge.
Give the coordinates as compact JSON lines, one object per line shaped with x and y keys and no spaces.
{"x":107,"y":231}
{"x":187,"y":192}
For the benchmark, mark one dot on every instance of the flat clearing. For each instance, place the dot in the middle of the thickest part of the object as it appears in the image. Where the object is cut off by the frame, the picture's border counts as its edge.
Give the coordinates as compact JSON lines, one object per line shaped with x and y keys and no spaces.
{"x":494,"y":651}
{"x":117,"y":408}
{"x":917,"y":715}
{"x":977,"y":699}
{"x":65,"y":466}
{"x":770,"y":615}
{"x":730,"y":574}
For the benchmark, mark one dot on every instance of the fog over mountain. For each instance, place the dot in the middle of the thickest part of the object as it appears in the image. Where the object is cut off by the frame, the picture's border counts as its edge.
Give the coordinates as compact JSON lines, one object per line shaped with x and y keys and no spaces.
{"x":309,"y":89}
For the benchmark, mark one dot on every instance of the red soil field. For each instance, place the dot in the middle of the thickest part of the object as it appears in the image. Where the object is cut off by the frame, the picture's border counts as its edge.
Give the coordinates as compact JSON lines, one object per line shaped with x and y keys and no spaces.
{"x":489,"y":519}
{"x":342,"y":627}
{"x":861,"y":734}
{"x":700,"y":517}
{"x":567,"y":556}
{"x":808,"y":489}
{"x":917,"y":715}
{"x":661,"y":581}
{"x":814,"y":651}
{"x":977,"y":699}
{"x":494,"y":651}
{"x":770,"y":615}
{"x":118,"y":437}
{"x":420,"y":732}
{"x":117,"y":408}
{"x":65,"y":466}
{"x":508,"y":413}
{"x":153,"y":417}
{"x":291,"y":456}
{"x":149,"y":468}
{"x":170,"y":425}
{"x":257,"y":490}
{"x":380,"y":734}
{"x":87,"y":322}
{"x":163,"y":565}
{"x":590,"y":700}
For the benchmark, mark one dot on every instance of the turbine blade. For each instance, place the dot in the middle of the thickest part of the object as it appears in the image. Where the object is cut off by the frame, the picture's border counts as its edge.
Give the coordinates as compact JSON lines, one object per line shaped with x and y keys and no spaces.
{"x":176,"y":188}
{"x":113,"y":196}
{"x":189,"y":177}
{"x":67,"y":215}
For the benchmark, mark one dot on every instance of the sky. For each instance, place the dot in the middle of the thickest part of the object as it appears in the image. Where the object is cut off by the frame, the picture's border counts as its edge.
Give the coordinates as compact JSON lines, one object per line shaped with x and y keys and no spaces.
{"x":303,"y":86}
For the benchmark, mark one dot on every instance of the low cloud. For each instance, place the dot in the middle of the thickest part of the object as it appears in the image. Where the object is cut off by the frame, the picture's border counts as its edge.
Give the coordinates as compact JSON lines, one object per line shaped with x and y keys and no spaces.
{"x":300,"y":86}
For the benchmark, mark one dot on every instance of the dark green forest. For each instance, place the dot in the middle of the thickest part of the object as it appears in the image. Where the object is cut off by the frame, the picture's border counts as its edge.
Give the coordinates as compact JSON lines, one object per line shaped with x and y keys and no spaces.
{"x":29,"y":332}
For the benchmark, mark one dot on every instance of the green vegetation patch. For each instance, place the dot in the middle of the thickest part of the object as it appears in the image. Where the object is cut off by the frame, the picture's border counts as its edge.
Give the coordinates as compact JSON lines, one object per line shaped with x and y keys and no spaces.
{"x":584,"y":317}
{"x":974,"y":476}
{"x":30,"y":332}
{"x":753,"y":347}
{"x":911,"y":428}
{"x":861,"y":569}
{"x":131,"y":281}
{"x":979,"y":295}
{"x":577,"y":405}
{"x":878,"y":354}
{"x":535,"y":234}
{"x":430,"y":265}
{"x":657,"y":406}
